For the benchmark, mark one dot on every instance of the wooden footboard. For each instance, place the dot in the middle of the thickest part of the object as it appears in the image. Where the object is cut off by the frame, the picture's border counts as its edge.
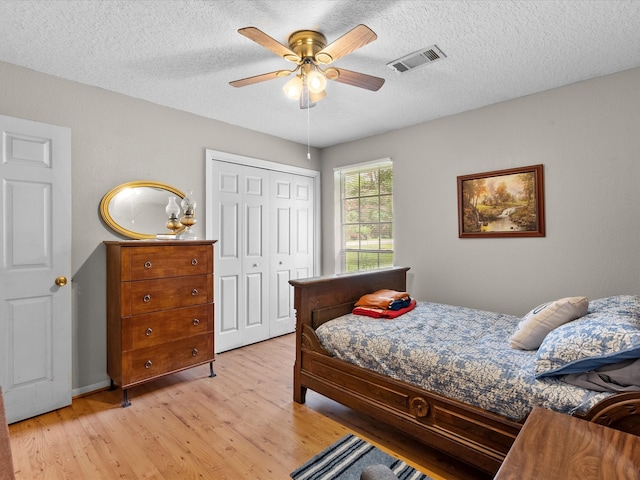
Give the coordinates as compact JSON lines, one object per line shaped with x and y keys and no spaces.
{"x":476,"y":436}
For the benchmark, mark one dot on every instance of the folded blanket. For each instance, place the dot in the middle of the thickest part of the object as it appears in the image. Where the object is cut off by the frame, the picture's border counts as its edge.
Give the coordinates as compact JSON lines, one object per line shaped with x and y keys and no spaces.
{"x":615,"y":377}
{"x":376,"y":312}
{"x":381,"y":298}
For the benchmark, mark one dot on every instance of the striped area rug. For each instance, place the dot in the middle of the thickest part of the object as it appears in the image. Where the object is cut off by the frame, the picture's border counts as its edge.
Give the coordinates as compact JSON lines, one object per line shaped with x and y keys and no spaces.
{"x":346,"y":459}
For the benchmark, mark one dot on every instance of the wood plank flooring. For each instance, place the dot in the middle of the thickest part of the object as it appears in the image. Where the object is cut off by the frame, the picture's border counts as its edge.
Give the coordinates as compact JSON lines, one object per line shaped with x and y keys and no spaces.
{"x":241,"y":424}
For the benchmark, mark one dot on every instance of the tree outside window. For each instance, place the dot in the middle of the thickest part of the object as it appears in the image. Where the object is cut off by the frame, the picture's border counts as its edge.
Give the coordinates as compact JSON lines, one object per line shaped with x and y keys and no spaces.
{"x":366,"y":217}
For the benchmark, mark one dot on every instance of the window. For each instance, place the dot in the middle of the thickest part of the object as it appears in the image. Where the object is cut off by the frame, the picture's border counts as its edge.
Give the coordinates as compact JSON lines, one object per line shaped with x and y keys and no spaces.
{"x":364,"y":216}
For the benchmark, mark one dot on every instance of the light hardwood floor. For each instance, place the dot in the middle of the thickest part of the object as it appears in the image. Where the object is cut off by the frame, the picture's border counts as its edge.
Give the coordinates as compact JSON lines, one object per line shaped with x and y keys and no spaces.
{"x":242,"y":424}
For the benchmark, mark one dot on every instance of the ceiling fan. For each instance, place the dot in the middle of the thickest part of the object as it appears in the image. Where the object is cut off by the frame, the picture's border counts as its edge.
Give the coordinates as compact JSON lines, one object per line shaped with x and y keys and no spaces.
{"x":308,"y":49}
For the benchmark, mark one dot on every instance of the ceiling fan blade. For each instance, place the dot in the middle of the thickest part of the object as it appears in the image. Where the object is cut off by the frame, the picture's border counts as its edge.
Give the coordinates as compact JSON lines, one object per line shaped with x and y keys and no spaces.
{"x":356,"y":79}
{"x":259,"y":78}
{"x":261,"y":38}
{"x":350,"y":41}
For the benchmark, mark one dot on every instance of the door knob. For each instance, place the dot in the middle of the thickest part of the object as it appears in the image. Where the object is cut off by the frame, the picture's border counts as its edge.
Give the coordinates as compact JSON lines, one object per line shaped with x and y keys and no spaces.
{"x":61,"y":281}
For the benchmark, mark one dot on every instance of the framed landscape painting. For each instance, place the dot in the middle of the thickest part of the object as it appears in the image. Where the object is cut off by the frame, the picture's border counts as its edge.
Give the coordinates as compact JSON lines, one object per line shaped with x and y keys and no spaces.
{"x":503,"y":203}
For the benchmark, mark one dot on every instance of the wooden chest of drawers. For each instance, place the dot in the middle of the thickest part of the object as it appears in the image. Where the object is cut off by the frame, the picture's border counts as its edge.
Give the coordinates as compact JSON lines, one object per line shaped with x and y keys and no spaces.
{"x":159,"y":309}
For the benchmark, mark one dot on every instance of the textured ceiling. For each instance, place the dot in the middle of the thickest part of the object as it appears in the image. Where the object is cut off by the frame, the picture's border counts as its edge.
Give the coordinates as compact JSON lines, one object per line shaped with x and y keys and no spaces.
{"x":182,"y":54}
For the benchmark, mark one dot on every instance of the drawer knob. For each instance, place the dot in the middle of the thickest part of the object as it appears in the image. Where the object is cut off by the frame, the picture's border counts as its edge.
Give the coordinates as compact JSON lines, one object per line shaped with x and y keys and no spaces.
{"x":194,"y":352}
{"x":194,"y":262}
{"x":194,"y":292}
{"x":196,"y":321}
{"x":146,"y":298}
{"x":148,"y":332}
{"x":148,"y":364}
{"x":147,"y":264}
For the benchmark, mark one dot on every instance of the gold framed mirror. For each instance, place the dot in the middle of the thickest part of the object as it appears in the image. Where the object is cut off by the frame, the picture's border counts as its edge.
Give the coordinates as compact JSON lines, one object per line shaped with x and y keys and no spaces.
{"x":137,"y":209}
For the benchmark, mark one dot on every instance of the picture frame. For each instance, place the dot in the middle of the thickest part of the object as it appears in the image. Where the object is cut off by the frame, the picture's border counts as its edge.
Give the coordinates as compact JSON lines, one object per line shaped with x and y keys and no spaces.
{"x":502,"y":203}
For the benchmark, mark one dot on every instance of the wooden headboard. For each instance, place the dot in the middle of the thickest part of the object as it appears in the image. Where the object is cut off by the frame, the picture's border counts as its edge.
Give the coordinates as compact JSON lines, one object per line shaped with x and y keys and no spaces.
{"x":319,"y":299}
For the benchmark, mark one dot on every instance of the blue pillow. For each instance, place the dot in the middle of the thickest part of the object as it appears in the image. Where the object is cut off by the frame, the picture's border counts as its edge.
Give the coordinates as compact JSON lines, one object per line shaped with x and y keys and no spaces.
{"x":609,"y":333}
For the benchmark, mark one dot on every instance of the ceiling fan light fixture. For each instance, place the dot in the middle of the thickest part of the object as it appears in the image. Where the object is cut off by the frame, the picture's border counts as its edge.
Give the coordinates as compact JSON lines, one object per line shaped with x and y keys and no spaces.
{"x":316,"y":81}
{"x":293,"y":88}
{"x":308,"y":49}
{"x":316,"y":97}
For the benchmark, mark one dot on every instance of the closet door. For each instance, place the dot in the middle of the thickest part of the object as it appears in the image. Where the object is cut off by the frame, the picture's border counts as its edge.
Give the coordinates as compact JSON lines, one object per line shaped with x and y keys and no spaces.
{"x":282,"y":316}
{"x":264,"y":221}
{"x":304,"y":219}
{"x":291,"y":244}
{"x":242,"y":266}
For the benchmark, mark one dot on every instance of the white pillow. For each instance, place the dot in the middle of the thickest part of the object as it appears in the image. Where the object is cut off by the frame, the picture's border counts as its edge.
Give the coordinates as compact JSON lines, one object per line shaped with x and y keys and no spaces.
{"x":536,"y":324}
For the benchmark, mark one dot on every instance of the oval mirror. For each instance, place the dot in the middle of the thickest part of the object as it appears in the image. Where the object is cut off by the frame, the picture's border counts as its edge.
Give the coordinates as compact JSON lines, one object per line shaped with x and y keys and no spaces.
{"x":137,"y":209}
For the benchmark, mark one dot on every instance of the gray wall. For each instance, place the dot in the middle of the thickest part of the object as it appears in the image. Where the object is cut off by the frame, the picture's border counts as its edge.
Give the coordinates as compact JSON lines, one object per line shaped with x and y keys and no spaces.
{"x":116,"y":139}
{"x":587,"y":135}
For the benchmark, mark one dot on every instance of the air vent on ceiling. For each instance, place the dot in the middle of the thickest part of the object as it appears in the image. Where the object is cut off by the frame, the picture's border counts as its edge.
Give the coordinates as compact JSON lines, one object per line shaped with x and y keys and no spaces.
{"x":415,"y":59}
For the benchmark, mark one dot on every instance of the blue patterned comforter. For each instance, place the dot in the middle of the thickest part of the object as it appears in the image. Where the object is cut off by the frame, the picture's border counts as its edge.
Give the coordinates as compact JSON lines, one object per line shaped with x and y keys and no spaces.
{"x":458,"y":352}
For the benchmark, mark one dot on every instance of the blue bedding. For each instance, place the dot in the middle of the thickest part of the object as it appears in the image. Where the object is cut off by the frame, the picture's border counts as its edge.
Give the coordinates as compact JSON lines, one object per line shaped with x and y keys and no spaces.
{"x":458,"y":352}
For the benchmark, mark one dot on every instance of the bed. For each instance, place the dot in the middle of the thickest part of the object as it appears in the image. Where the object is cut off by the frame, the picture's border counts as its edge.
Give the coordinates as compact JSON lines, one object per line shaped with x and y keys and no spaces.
{"x":479,"y":429}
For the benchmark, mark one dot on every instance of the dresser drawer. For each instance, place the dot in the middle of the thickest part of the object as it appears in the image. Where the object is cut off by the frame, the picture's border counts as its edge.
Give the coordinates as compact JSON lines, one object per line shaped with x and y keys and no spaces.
{"x":159,"y":309}
{"x":154,"y":295}
{"x":150,"y":329}
{"x":169,"y":357}
{"x":143,"y":263}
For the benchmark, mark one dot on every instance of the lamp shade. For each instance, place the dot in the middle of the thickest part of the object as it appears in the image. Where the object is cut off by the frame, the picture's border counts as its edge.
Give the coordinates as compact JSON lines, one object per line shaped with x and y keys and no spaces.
{"x":172,"y":207}
{"x":316,"y":97}
{"x":316,"y":81}
{"x":293,"y":88}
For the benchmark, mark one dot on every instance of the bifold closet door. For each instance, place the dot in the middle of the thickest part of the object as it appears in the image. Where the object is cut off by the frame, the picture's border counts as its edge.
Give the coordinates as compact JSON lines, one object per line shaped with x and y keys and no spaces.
{"x":242,"y":265}
{"x":304,"y":233}
{"x":264,"y":222}
{"x":291,"y":220}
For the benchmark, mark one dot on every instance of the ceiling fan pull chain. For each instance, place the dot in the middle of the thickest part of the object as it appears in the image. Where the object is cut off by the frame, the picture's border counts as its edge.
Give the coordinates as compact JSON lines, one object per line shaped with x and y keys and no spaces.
{"x":308,"y":127}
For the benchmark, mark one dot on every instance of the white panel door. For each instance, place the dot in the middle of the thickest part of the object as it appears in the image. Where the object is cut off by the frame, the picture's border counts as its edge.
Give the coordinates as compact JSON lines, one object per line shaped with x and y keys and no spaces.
{"x":303,"y":236}
{"x":35,"y":240}
{"x":292,"y":247}
{"x":228,"y":264}
{"x":256,"y":254}
{"x":282,"y":315}
{"x":241,"y":271}
{"x":265,"y":222}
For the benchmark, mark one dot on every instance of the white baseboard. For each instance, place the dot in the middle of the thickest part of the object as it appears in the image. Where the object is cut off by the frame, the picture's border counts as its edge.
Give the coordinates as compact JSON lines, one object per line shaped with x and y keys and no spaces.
{"x":76,"y":392}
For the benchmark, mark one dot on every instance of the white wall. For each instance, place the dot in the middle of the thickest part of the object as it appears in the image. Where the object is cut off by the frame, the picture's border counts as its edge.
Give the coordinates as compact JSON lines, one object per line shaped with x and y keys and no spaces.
{"x":587,"y":135}
{"x":116,"y":139}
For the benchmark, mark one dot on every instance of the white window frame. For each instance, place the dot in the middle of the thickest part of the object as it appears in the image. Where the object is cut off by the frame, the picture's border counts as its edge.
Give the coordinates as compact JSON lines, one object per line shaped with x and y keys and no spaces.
{"x":340,"y":251}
